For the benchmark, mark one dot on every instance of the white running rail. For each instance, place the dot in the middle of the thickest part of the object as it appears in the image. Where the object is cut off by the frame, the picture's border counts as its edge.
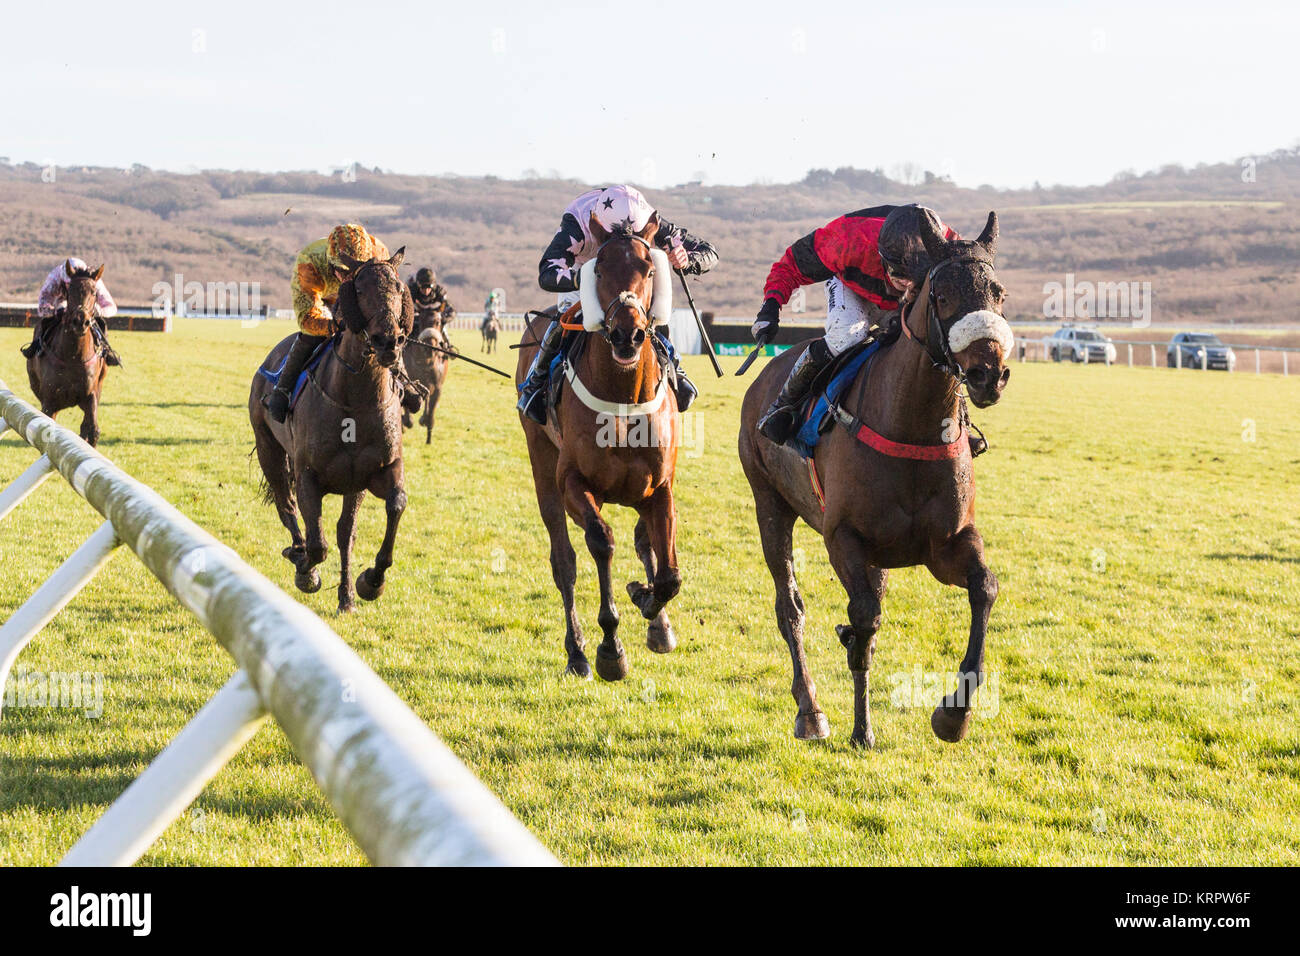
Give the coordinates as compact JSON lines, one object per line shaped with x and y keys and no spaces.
{"x":404,"y":797}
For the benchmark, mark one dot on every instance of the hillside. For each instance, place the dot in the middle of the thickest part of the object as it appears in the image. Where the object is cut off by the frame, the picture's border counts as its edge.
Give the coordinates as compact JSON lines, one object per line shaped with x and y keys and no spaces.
{"x":1214,"y":246}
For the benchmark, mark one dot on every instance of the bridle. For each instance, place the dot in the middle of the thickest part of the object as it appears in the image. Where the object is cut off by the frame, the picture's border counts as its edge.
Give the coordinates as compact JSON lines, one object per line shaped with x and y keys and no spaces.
{"x":936,"y":338}
{"x":366,"y":340}
{"x":626,"y":298}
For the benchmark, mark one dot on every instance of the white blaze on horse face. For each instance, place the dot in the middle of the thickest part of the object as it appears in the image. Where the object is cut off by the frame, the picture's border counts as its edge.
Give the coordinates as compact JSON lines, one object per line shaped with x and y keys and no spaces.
{"x":974,"y":326}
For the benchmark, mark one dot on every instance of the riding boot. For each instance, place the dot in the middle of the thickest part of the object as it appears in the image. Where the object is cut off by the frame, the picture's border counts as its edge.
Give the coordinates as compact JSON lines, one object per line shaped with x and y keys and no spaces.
{"x":35,"y":346}
{"x":778,"y":422}
{"x":532,"y":393}
{"x":277,"y":403}
{"x":110,"y":354}
{"x":683,"y":387}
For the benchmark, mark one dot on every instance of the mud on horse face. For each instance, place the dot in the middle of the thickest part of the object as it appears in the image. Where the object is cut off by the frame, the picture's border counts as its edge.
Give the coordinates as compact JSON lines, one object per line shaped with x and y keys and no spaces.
{"x":618,"y":288}
{"x":80,"y":295}
{"x":377,"y":306}
{"x":965,"y":332}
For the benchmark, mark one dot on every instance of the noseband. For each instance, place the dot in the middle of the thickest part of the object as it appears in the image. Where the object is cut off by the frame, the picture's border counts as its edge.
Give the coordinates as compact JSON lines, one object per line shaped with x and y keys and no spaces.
{"x":936,"y":344}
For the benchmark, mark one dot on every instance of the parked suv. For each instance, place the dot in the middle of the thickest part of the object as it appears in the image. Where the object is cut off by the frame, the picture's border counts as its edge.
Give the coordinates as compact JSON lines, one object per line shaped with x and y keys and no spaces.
{"x":1079,"y":345}
{"x":1200,"y":350}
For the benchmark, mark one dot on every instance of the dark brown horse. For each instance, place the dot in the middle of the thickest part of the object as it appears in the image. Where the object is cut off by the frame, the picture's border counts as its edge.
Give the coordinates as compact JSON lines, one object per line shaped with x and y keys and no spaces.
{"x":490,"y":329}
{"x":344,"y":436}
{"x":613,"y":440}
{"x":428,"y":368}
{"x":69,"y":369}
{"x":897,"y":478}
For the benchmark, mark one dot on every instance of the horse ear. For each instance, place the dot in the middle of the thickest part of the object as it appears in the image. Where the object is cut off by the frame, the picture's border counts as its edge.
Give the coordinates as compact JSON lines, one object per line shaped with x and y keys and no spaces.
{"x":651,"y":228}
{"x":935,"y":243}
{"x":598,"y":231}
{"x":349,"y":309}
{"x":68,"y":270}
{"x":397,"y":258}
{"x":350,"y":264}
{"x":98,"y":273}
{"x":989,"y":237}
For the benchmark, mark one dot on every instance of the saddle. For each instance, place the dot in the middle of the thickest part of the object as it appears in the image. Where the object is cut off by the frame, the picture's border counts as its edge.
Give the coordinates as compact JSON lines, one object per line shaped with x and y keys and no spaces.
{"x":318,"y":356}
{"x":816,"y":410}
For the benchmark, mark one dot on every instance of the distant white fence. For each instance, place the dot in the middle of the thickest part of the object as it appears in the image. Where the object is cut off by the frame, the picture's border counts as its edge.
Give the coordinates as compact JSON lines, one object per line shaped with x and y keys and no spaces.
{"x":405,"y":798}
{"x":1158,"y":354}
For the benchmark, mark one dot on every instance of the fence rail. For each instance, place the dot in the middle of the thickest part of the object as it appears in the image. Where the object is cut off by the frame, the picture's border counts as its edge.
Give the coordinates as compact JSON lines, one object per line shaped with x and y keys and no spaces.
{"x":404,"y":797}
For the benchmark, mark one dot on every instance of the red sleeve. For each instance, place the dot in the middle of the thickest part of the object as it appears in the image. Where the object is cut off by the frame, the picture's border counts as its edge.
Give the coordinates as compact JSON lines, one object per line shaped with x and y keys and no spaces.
{"x":783,"y":278}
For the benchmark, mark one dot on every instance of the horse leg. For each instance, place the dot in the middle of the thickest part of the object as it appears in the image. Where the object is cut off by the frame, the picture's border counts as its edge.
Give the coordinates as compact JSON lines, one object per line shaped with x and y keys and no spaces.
{"x":659,"y":635}
{"x":660,"y":516}
{"x":90,"y":419}
{"x":582,"y":506}
{"x":430,"y":404}
{"x":961,"y":563}
{"x":543,"y":456}
{"x":345,"y":535}
{"x":390,"y":485}
{"x":309,"y":500}
{"x":866,"y":589}
{"x":775,"y":530}
{"x":279,"y":482}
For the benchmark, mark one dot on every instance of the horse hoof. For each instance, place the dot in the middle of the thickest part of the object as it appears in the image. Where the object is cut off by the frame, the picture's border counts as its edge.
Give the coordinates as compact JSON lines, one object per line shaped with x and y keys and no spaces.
{"x":578,"y":668}
{"x":643,"y":596}
{"x":609,"y":666}
{"x":863,"y":741}
{"x":347,"y":608}
{"x":950,"y":723}
{"x":660,"y":637}
{"x":294,"y":554}
{"x":308,"y":583}
{"x":811,"y":726}
{"x":845,"y":633}
{"x":365,"y":589}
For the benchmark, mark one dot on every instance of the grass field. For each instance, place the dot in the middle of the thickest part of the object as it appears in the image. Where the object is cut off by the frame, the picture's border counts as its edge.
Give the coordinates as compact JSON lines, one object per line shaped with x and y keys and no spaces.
{"x":1143,"y":652}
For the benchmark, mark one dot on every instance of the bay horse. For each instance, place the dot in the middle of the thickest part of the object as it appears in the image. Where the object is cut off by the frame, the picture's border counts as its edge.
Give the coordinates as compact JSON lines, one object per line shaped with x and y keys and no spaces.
{"x":70,"y":368}
{"x":344,"y":435}
{"x":613,"y":439}
{"x":896,"y":479}
{"x":428,"y":368}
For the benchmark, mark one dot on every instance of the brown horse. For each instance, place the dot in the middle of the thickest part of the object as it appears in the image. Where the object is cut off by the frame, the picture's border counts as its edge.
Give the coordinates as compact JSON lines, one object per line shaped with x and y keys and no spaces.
{"x":614,"y":440}
{"x":69,"y":369}
{"x":344,"y":436}
{"x":490,"y":329}
{"x":898,"y":486}
{"x":429,"y":369}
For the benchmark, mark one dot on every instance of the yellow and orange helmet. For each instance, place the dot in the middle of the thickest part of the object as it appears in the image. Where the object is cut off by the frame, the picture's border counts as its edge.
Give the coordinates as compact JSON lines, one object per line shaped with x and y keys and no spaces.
{"x":350,"y":241}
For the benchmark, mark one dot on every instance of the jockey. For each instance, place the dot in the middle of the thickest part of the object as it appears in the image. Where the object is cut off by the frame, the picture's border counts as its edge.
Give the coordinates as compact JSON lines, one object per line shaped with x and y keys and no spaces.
{"x":430,"y":297}
{"x":871,"y":261}
{"x":53,"y":298}
{"x":317,"y":275}
{"x":573,"y":245}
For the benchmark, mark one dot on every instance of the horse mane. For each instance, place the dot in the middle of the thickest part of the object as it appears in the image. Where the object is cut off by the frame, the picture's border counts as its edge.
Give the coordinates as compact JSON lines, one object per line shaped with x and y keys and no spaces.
{"x":348,"y":306}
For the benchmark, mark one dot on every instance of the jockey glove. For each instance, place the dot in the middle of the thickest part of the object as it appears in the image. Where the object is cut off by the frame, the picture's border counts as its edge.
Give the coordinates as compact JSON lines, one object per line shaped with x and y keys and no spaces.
{"x":769,"y":319}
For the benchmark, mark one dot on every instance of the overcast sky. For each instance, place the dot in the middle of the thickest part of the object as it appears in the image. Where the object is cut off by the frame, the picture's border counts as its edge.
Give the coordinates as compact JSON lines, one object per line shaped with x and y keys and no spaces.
{"x":655,"y":93}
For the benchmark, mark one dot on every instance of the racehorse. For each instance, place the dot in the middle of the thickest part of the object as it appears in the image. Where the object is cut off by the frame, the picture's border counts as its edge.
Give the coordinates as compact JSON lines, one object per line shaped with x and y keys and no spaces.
{"x":896,"y":478}
{"x":344,"y":436}
{"x":490,"y":328}
{"x":612,"y":439}
{"x":69,"y":369}
{"x":429,"y":368}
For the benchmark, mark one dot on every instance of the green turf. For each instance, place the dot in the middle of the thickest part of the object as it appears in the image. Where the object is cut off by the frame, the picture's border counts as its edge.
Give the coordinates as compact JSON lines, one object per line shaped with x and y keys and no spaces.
{"x":1144,"y":645}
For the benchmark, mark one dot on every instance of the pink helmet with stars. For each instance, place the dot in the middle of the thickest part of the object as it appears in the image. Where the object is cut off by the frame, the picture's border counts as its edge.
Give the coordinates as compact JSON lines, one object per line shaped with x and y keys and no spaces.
{"x":622,"y":207}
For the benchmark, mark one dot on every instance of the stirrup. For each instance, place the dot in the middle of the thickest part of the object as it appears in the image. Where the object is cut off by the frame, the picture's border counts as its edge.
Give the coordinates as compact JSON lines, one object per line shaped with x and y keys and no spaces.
{"x":532,"y":404}
{"x":777,"y":423}
{"x":279,"y":410}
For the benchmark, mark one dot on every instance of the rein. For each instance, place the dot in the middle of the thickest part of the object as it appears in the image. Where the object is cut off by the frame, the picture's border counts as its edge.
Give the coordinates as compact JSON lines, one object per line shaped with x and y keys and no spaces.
{"x":60,"y":362}
{"x":936,"y":339}
{"x":626,"y":297}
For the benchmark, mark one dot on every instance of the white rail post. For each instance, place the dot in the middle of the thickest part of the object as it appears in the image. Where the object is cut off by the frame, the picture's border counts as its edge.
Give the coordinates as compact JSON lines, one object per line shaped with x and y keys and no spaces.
{"x":1178,"y":356}
{"x":1286,"y":364}
{"x":1153,"y":356}
{"x":25,"y":484}
{"x":171,"y":783}
{"x":1205,"y":360}
{"x":51,"y":597}
{"x":1256,"y":361}
{"x":1130,"y":355}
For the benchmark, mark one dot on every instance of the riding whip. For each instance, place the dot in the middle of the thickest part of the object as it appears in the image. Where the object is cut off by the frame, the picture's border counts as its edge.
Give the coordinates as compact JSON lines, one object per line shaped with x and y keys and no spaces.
{"x":457,"y":355}
{"x":758,"y":349}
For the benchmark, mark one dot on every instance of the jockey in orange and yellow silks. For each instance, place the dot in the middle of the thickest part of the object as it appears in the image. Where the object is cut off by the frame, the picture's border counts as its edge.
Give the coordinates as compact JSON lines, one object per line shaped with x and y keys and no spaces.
{"x":315,"y":286}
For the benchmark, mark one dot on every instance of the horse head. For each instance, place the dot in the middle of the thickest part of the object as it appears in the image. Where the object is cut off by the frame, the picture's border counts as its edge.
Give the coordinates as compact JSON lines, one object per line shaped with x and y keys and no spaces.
{"x":81,"y":295}
{"x":375,"y":305}
{"x":965,"y":331}
{"x":618,"y":288}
